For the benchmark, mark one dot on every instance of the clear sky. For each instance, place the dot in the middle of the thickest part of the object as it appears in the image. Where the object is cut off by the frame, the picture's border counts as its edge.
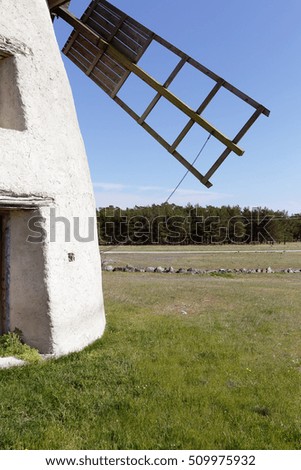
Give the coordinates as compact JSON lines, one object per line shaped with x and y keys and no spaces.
{"x":254,"y":45}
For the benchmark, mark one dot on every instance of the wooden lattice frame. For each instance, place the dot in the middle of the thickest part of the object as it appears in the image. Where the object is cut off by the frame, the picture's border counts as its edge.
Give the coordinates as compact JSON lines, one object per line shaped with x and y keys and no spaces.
{"x":106,"y":45}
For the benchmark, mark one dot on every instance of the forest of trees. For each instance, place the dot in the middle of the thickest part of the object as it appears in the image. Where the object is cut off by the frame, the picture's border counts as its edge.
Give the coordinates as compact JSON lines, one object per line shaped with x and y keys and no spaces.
{"x":169,"y":224}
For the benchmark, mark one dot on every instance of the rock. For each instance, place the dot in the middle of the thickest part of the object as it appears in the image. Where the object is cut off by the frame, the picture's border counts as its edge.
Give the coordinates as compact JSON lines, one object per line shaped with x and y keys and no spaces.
{"x":170,"y":270}
{"x":192,"y":271}
{"x":108,"y":268}
{"x":105,"y":262}
{"x":159,"y":269}
{"x":129,"y":269}
{"x":182,"y":271}
{"x":6,"y":362}
{"x":150,"y":269}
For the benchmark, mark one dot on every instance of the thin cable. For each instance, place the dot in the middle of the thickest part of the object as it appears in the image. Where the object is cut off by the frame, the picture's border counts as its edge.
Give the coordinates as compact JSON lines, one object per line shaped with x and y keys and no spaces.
{"x":113,"y":247}
{"x":188,"y":171}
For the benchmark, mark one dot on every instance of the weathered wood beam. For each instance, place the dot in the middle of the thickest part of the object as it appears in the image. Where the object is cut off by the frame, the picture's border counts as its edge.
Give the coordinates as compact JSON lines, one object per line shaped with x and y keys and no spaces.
{"x":200,"y":109}
{"x":164,"y":143}
{"x":240,"y":94}
{"x":56,"y":3}
{"x":128,"y":64}
{"x":169,"y":80}
{"x":236,"y":139}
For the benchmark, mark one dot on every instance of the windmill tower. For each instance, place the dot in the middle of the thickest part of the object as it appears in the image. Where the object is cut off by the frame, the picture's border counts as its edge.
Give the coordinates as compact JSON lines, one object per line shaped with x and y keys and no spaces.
{"x":51,"y":279}
{"x":51,"y":286}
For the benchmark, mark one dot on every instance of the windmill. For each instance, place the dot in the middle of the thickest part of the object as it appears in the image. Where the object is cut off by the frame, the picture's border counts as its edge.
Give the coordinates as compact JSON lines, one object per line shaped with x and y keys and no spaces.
{"x":50,"y":270}
{"x":107,"y":45}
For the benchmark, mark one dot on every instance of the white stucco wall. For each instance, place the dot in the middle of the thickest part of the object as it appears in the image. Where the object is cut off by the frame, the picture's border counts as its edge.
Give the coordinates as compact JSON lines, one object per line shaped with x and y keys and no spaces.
{"x":57,"y":303}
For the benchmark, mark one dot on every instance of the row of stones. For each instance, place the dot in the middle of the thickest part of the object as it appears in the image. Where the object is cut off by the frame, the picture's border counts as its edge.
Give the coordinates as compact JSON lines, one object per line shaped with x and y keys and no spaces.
{"x":171,"y":270}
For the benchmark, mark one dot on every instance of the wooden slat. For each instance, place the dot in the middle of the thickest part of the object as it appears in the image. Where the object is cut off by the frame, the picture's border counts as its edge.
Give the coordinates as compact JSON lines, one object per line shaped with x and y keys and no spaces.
{"x":80,"y":27}
{"x":56,"y":3}
{"x":200,"y":109}
{"x":77,"y":63}
{"x":75,"y":33}
{"x":124,"y":49}
{"x":70,"y":42}
{"x":99,"y":28}
{"x":123,"y":60}
{"x":134,"y":24}
{"x":103,"y":21}
{"x":134,"y":34}
{"x":192,"y":61}
{"x":112,"y":65}
{"x":89,"y":10}
{"x":169,"y":46}
{"x":125,"y":37}
{"x":109,"y":75}
{"x":107,"y":12}
{"x":163,"y":142}
{"x":78,"y":47}
{"x":128,"y":41}
{"x":102,"y":80}
{"x":236,"y":139}
{"x":139,"y":27}
{"x":107,"y":71}
{"x":73,"y":53}
{"x":173,"y":99}
{"x":100,"y":54}
{"x":169,"y":80}
{"x":100,"y":84}
{"x":213,"y":75}
{"x":210,"y":96}
{"x":87,"y":44}
{"x":121,"y":82}
{"x":106,"y":85}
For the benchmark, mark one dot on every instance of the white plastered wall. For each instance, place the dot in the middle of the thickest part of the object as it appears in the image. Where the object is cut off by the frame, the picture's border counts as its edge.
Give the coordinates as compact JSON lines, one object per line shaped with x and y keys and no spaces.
{"x":57,"y":303}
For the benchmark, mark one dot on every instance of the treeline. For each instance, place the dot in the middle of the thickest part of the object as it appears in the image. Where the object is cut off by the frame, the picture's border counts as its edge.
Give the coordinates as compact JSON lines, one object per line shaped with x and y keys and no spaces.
{"x":169,"y":224}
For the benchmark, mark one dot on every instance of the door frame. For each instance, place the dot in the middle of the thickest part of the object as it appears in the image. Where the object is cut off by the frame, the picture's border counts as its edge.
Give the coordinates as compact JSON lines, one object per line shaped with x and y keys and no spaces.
{"x":4,"y":272}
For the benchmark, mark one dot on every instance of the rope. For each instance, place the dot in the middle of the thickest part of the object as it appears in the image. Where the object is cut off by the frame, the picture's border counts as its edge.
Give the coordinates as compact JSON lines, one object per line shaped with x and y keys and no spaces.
{"x":188,"y":171}
{"x":173,"y":192}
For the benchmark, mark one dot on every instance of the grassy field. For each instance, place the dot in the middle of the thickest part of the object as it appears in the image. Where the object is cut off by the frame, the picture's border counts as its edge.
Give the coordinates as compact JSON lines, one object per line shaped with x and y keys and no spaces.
{"x":207,"y":257}
{"x":186,"y":362}
{"x":213,"y":247}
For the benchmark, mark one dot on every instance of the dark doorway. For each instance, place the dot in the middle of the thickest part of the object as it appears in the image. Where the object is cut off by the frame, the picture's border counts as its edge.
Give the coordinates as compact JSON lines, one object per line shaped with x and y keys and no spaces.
{"x":3,"y":311}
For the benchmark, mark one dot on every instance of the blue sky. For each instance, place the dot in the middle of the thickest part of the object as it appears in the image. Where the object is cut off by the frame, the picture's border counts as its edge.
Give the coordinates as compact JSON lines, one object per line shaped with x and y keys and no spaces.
{"x":253,"y":45}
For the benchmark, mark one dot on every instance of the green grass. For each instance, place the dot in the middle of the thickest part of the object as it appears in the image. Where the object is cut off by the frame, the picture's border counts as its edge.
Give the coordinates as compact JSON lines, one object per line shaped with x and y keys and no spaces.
{"x":12,"y":345}
{"x":225,"y":256}
{"x":224,"y":375}
{"x":199,"y":247}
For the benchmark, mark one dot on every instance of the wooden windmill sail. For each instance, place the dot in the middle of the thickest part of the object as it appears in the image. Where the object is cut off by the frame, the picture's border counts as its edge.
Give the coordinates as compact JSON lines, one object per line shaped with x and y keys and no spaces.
{"x":107,"y":44}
